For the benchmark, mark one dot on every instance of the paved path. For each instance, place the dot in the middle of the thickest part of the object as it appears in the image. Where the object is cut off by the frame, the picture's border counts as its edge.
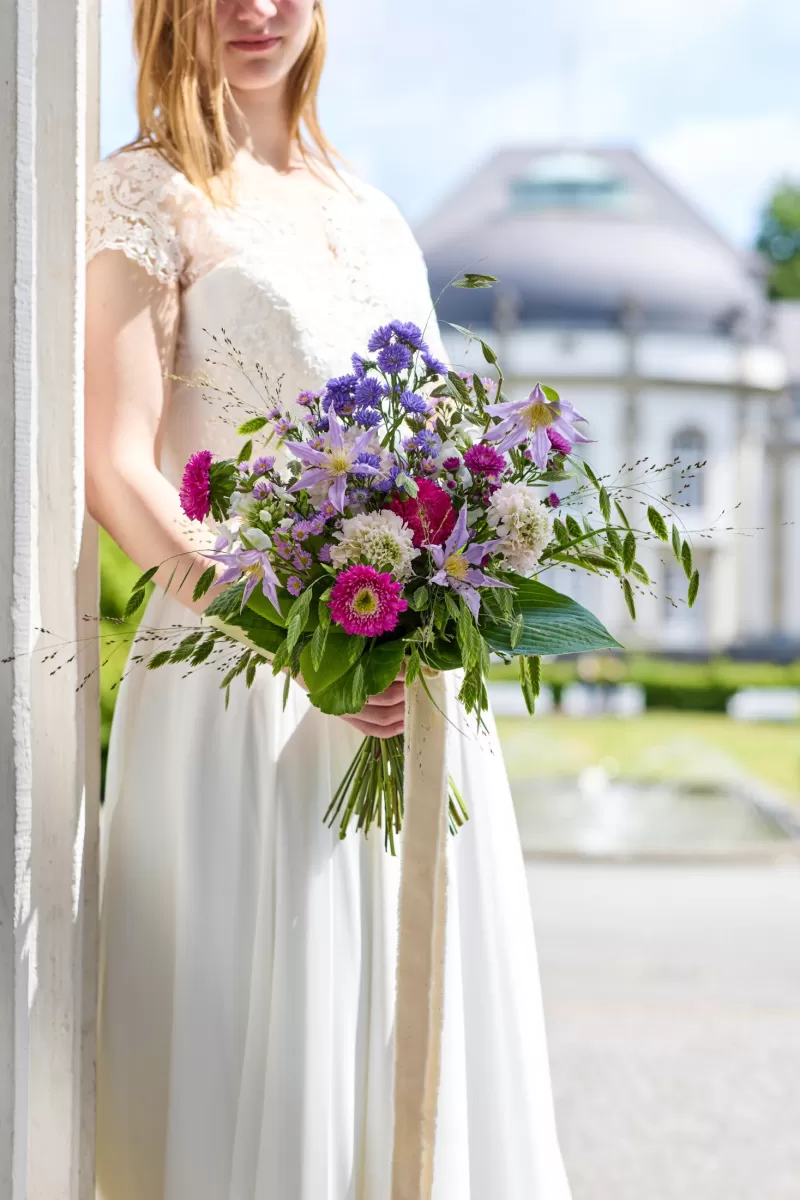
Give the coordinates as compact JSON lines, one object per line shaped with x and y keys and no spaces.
{"x":673,"y":1005}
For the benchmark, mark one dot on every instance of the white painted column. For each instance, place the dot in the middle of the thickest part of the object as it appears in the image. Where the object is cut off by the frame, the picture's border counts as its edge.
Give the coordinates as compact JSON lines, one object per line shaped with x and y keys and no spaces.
{"x":48,"y":577}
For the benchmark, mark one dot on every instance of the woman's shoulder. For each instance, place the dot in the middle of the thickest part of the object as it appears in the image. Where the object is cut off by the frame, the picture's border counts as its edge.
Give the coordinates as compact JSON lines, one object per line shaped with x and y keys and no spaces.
{"x":134,"y":203}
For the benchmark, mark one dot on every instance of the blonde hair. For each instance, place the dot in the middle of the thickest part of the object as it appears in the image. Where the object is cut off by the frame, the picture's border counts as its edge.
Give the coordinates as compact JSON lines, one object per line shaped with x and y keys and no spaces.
{"x":181,"y":93}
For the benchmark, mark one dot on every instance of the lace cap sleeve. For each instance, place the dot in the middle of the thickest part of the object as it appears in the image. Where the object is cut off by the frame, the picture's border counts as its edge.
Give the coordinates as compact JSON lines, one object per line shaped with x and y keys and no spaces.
{"x":133,"y":206}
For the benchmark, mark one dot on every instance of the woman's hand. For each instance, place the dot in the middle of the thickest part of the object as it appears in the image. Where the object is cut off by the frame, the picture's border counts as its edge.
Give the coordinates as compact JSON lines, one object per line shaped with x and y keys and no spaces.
{"x":382,"y":716}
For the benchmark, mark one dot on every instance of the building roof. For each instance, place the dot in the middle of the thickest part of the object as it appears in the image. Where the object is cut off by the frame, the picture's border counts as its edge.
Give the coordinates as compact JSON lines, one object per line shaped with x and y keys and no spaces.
{"x":580,"y":237}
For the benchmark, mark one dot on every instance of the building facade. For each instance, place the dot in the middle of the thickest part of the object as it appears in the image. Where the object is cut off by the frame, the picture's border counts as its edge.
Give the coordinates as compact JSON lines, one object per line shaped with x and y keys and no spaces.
{"x":617,"y":293}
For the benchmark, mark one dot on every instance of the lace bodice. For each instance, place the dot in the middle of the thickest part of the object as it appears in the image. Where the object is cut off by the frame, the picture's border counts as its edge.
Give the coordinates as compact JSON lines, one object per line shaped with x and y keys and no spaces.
{"x":296,"y":280}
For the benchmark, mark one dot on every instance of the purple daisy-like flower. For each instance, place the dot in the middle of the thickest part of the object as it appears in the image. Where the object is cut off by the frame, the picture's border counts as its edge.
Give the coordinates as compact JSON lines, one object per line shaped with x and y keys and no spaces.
{"x":324,"y":553}
{"x":256,"y":567}
{"x":434,"y":365}
{"x":408,"y":332}
{"x":531,"y":420}
{"x":262,"y":489}
{"x":263,"y":464}
{"x":301,"y":560}
{"x":195,"y":491}
{"x":332,"y":465}
{"x":452,"y":464}
{"x":306,"y":399}
{"x":381,"y":338}
{"x":369,"y":392}
{"x":294,"y":585}
{"x":485,"y":460}
{"x":458,"y":564}
{"x":274,"y":414}
{"x":367,"y":418}
{"x":559,"y":443}
{"x":284,"y":427}
{"x":394,"y":358}
{"x":414,"y":403}
{"x":359,"y":368}
{"x":428,"y":443}
{"x":322,"y":425}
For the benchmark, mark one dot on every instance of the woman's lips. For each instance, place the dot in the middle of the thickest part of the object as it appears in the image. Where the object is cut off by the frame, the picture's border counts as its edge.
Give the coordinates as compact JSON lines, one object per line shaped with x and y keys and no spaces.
{"x":254,"y":44}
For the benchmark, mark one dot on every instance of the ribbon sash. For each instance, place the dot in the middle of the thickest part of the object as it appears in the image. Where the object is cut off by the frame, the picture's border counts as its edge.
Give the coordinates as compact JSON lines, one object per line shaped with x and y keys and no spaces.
{"x":421,"y":941}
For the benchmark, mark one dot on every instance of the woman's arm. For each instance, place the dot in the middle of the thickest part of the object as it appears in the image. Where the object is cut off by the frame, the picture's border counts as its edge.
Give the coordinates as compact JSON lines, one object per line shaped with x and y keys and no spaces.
{"x":131,"y":325}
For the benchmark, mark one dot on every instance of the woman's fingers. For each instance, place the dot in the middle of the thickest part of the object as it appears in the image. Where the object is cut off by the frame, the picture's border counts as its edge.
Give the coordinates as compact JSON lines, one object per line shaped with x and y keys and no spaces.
{"x":394,"y":694}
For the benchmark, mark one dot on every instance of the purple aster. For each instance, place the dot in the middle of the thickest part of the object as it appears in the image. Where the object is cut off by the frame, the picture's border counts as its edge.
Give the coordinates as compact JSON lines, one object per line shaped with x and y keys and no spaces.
{"x":294,"y":586}
{"x":369,"y":392}
{"x":284,"y":427}
{"x":306,"y":399}
{"x":196,"y":486}
{"x":533,"y":418}
{"x":372,"y":460}
{"x":368,"y":418}
{"x":386,"y":484}
{"x":262,"y":489}
{"x":457,"y":564}
{"x":324,"y":553}
{"x":559,"y":443}
{"x":256,"y":567}
{"x":485,"y":460}
{"x":394,"y":358}
{"x":434,"y":365}
{"x":359,"y":369}
{"x":308,"y":526}
{"x":428,"y":443}
{"x":413,"y":403}
{"x":301,"y":560}
{"x":282,"y":546}
{"x":263,"y":464}
{"x":409,"y":333}
{"x":332,"y":465}
{"x":274,"y":414}
{"x":381,"y":338}
{"x":322,"y":425}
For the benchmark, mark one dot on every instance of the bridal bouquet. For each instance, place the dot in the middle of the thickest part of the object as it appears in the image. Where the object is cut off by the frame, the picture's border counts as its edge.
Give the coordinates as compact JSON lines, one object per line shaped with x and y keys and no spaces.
{"x":401,"y":528}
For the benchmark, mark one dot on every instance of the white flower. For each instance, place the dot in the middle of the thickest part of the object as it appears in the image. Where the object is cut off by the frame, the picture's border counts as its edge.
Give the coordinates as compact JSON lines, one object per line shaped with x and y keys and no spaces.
{"x":525,"y":524}
{"x":256,"y":537}
{"x":379,"y":539}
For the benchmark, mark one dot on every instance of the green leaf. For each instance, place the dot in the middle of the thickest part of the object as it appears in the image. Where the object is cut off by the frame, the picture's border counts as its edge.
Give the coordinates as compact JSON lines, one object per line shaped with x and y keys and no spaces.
{"x":341,"y":652}
{"x":143,"y":580}
{"x":517,"y":629}
{"x":204,"y":583}
{"x":298,"y":615}
{"x":560,"y":532}
{"x":686,"y":560}
{"x":605,"y":504}
{"x":551,"y":393}
{"x":461,"y":389}
{"x":627,"y":592}
{"x":419,"y":599}
{"x":553,"y":624}
{"x":694,"y":588}
{"x":251,"y":426}
{"x":473,"y":280}
{"x":358,"y":687}
{"x":185,"y":647}
{"x":317,"y":646}
{"x":657,"y":523}
{"x":465,"y":630}
{"x":245,"y":452}
{"x":222,"y":480}
{"x":574,"y":527}
{"x":629,"y":550}
{"x":530,"y":680}
{"x":203,"y":650}
{"x":676,"y":542}
{"x":621,"y":514}
{"x":324,"y":612}
{"x":590,"y":475}
{"x":615,"y":542}
{"x":488,"y":353}
{"x":382,"y":666}
{"x":479,"y":389}
{"x":639,"y":572}
{"x":369,"y":676}
{"x":136,"y":601}
{"x":265,"y":635}
{"x":442,"y":655}
{"x":266,"y":609}
{"x":159,"y":660}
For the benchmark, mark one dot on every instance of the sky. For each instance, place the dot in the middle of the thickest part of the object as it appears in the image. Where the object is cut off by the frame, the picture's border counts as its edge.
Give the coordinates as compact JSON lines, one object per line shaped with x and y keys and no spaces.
{"x":417,"y":94}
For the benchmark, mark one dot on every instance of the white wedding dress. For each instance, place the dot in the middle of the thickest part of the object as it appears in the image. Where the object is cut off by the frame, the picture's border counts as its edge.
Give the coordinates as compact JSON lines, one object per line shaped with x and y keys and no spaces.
{"x":247,"y":955}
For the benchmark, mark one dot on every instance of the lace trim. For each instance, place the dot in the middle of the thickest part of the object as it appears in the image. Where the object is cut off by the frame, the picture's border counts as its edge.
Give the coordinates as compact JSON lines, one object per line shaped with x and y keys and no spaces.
{"x":132,"y":206}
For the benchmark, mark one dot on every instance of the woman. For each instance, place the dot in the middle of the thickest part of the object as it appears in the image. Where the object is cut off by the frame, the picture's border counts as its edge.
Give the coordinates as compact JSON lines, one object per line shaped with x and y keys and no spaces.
{"x":248,"y":956}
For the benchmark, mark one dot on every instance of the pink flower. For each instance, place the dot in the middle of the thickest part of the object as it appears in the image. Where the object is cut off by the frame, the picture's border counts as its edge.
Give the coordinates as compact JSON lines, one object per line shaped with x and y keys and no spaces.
{"x":559,"y":442}
{"x":364,"y":601}
{"x":430,"y":514}
{"x":485,"y":460}
{"x":196,"y":486}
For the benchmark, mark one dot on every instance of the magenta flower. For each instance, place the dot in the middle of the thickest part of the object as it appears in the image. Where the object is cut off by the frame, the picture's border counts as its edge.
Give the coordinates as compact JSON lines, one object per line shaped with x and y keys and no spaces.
{"x":559,"y":443}
{"x":532,"y":419}
{"x":196,"y":486}
{"x":256,"y":566}
{"x":458,"y":564}
{"x":365,"y":602}
{"x":485,"y":460}
{"x":332,"y":464}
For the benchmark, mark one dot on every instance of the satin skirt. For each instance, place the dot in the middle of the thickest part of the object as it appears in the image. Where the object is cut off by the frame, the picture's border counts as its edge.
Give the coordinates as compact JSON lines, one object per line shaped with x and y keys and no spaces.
{"x":248,"y":960}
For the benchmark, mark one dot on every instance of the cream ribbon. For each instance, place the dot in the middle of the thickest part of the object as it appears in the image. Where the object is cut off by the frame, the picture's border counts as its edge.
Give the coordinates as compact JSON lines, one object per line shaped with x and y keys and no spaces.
{"x":421,"y":941}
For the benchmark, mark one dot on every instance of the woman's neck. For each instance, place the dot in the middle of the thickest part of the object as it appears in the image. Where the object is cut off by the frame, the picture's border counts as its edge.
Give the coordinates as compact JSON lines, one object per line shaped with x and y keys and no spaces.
{"x":261,"y":127}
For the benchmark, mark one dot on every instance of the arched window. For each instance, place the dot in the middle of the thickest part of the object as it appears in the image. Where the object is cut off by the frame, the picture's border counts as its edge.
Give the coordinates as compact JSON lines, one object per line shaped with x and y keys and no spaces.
{"x":689,"y":447}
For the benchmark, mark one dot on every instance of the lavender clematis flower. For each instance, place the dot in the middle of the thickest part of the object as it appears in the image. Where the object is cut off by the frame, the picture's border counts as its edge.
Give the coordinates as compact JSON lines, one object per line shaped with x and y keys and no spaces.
{"x":458,"y":564}
{"x":334,"y":462}
{"x":530,"y":419}
{"x":255,"y":564}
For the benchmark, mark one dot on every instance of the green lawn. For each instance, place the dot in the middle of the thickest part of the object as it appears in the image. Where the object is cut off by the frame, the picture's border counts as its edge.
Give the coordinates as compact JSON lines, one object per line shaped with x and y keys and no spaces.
{"x":657,"y":745}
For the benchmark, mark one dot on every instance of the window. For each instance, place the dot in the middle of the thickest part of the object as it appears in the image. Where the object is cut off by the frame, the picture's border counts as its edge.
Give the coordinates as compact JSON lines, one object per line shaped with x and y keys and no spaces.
{"x":569,"y":181}
{"x":688,"y":483}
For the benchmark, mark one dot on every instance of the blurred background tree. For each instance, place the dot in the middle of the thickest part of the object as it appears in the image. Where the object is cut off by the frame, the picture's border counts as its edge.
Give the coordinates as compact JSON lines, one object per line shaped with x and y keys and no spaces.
{"x":779,"y":242}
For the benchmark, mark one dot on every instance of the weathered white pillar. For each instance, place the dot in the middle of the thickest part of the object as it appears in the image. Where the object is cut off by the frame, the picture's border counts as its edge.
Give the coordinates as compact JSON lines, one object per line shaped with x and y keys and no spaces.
{"x":48,"y":574}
